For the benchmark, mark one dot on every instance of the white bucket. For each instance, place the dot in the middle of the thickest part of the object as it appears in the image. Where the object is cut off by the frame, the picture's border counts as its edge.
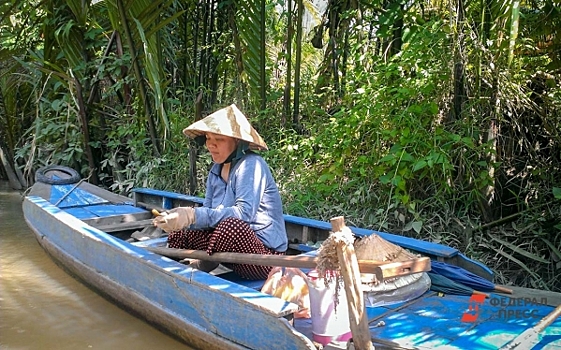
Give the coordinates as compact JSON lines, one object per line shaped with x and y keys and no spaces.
{"x":328,"y":324}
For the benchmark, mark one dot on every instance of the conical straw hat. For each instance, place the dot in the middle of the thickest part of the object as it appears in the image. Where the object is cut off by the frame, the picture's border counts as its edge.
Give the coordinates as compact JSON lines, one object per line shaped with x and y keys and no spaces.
{"x":228,"y":121}
{"x":374,"y":247}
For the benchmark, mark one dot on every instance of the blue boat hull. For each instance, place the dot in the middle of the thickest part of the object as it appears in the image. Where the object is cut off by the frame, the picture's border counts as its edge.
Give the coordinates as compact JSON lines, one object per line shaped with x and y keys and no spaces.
{"x":216,"y":312}
{"x":202,"y":310}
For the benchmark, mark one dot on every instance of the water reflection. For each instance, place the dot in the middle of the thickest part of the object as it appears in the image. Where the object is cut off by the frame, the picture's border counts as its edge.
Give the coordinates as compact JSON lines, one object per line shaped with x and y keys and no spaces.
{"x":41,"y":307}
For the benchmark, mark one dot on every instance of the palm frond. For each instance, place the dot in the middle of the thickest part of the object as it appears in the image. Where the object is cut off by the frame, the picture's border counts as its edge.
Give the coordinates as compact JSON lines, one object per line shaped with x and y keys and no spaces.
{"x":250,"y":21}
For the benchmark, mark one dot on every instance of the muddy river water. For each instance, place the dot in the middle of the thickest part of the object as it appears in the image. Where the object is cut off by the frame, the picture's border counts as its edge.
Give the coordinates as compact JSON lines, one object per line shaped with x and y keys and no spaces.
{"x":42,"y":307}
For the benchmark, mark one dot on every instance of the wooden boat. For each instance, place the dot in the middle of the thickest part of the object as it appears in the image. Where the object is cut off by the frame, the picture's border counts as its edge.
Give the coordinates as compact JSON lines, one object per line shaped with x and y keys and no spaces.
{"x":97,"y":236}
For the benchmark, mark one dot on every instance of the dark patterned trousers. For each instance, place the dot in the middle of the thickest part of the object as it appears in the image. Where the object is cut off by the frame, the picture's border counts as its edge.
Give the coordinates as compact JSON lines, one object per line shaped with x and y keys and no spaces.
{"x":231,"y":235}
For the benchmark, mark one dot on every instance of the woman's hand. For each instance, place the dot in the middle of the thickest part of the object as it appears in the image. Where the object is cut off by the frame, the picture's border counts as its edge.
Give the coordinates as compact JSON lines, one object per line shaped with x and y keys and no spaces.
{"x":175,"y":219}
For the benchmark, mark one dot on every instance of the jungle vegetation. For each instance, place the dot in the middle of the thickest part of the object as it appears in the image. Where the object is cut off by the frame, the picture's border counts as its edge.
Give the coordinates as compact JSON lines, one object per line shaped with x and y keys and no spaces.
{"x":436,"y":119}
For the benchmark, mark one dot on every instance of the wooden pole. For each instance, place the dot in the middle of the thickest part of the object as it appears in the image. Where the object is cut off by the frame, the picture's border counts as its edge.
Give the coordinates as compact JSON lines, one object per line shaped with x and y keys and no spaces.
{"x":530,"y":337}
{"x":355,"y":299}
{"x":381,"y":269}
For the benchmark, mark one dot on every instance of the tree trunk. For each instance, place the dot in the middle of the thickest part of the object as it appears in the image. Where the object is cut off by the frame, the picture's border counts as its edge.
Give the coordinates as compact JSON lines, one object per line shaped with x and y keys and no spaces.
{"x":238,"y":52}
{"x":459,"y":78}
{"x":140,"y":80}
{"x":194,"y":149}
{"x":397,"y":41}
{"x":12,"y":177}
{"x":263,"y":58}
{"x":288,"y":58}
{"x":296,"y":111}
{"x":86,"y":131}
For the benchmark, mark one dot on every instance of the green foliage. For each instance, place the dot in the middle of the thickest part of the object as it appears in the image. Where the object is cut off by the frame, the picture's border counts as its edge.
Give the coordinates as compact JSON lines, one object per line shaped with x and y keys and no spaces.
{"x":435,"y":124}
{"x":383,"y":138}
{"x":526,"y":252}
{"x":56,"y":137}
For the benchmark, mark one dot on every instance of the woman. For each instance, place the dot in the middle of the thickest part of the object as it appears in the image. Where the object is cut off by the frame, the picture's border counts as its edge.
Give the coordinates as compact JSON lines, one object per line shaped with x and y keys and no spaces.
{"x":242,"y":210}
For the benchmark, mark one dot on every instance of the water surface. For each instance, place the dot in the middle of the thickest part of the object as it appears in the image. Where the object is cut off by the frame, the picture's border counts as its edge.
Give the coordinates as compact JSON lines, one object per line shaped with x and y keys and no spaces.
{"x":42,"y":307}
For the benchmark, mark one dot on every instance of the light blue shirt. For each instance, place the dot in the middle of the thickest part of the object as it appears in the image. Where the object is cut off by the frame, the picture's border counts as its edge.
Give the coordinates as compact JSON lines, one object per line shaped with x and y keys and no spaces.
{"x":250,"y":194}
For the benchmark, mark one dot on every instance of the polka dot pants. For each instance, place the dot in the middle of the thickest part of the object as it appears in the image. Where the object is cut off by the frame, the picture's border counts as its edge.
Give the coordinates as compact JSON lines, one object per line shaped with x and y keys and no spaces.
{"x":231,"y":235}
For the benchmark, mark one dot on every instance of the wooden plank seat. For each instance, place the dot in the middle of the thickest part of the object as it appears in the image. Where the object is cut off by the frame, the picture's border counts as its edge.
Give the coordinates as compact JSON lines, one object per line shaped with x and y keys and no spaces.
{"x":123,"y":226}
{"x":113,"y":217}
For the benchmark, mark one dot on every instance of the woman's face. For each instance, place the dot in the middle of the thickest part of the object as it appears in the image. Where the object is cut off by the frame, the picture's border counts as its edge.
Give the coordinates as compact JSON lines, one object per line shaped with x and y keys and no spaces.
{"x":220,"y":146}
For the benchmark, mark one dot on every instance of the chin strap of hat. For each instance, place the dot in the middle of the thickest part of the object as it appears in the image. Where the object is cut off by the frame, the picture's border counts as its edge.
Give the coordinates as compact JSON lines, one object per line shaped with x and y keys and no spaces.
{"x":234,"y":157}
{"x":200,"y":140}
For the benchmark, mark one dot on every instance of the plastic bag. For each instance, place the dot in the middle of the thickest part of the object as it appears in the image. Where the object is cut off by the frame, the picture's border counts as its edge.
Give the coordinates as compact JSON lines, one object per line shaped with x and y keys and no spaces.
{"x":289,"y":284}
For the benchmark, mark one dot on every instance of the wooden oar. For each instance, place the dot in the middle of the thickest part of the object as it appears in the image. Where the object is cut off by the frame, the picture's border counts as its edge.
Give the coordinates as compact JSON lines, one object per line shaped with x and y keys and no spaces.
{"x":379,"y":268}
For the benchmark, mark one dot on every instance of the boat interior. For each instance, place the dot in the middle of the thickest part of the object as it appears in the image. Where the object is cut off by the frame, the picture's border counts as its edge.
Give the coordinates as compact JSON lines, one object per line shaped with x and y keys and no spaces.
{"x":130,"y":219}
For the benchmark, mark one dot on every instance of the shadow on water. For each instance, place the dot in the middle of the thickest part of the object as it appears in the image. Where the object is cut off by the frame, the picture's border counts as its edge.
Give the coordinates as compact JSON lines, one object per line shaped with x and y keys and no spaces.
{"x":41,"y":307}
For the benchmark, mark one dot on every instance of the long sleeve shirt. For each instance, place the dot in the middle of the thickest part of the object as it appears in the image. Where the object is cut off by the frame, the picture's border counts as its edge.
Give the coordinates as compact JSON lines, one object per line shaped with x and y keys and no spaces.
{"x":250,"y":194}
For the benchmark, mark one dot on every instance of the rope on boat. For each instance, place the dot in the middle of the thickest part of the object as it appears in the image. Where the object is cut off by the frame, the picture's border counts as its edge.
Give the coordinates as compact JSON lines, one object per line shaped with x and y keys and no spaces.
{"x":328,"y":265}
